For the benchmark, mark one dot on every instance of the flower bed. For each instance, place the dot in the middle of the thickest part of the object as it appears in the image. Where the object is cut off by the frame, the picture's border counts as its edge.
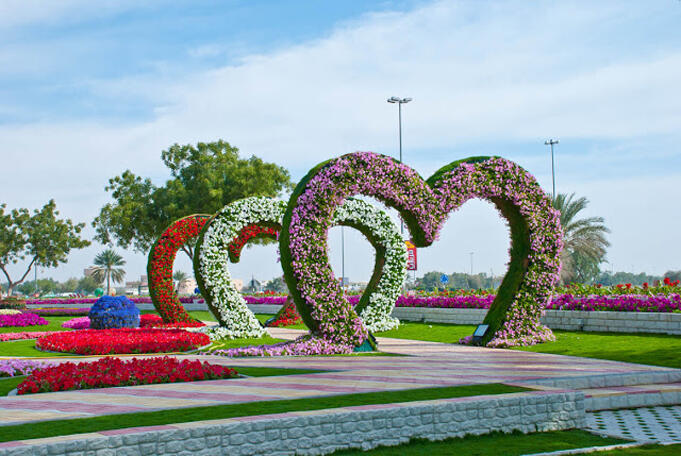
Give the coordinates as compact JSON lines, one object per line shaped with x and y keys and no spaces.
{"x":6,"y":337}
{"x":60,"y":312}
{"x":121,"y":341}
{"x":612,"y":303}
{"x":303,"y":346}
{"x":287,"y":316}
{"x":23,"y":319}
{"x":10,"y":311}
{"x":14,"y":367}
{"x":77,"y":323}
{"x":110,"y":372}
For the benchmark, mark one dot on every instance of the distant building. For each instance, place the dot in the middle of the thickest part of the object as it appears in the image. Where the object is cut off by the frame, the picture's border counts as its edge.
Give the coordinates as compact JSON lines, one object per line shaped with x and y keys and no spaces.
{"x":238,"y":284}
{"x":137,"y":287}
{"x":186,"y":287}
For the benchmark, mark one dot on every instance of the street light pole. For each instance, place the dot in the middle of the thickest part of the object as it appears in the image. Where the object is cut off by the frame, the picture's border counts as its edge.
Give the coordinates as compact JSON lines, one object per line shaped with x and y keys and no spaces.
{"x":343,"y":258}
{"x":551,"y":142}
{"x":400,"y":102}
{"x":471,"y":254}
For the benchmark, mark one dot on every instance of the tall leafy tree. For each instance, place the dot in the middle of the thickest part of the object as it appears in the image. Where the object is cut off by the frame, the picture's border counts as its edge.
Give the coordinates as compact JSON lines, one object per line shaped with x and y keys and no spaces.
{"x":584,"y":238}
{"x":42,"y":238}
{"x":204,"y":178}
{"x":107,"y":267}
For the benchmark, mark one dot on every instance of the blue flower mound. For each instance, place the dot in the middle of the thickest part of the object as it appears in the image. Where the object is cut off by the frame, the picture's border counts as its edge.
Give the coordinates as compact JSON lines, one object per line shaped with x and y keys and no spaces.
{"x":114,"y":312}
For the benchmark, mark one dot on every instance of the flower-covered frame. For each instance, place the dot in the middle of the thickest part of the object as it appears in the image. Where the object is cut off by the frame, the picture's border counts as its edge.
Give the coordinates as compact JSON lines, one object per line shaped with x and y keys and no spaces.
{"x":536,"y":237}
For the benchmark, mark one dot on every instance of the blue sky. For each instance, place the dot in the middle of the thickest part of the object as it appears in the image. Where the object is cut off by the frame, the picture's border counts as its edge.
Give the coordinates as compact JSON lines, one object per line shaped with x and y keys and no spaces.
{"x":89,"y":89}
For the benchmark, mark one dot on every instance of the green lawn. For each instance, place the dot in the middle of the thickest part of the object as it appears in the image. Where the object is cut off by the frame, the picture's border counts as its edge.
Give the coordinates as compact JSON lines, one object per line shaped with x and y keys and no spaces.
{"x":645,"y":450}
{"x":433,"y":332}
{"x":235,"y":343}
{"x":181,"y":415}
{"x":7,"y":384}
{"x":497,"y":444}
{"x":653,"y":349}
{"x":55,"y":325}
{"x":26,"y":348}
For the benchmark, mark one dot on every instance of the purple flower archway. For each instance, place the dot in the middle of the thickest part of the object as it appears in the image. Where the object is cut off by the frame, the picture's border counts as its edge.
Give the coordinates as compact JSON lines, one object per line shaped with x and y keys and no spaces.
{"x":536,"y":240}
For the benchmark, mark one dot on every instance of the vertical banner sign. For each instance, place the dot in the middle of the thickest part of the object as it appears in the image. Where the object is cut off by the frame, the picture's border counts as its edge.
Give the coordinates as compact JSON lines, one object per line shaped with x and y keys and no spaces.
{"x":411,"y":256}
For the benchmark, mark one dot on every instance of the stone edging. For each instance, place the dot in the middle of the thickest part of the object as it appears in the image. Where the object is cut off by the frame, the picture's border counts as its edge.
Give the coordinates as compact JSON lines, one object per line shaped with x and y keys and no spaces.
{"x":325,"y":431}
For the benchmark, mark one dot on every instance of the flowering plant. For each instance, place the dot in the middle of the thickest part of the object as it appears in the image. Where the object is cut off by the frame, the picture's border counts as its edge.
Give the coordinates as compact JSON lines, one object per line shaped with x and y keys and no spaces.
{"x":10,"y":311}
{"x":124,"y":340}
{"x":22,"y":319}
{"x":160,"y":267}
{"x":14,"y":367}
{"x":114,"y":312}
{"x":60,"y":311}
{"x":77,"y":323}
{"x":303,"y":346}
{"x":236,"y":222}
{"x":4,"y":337}
{"x":108,"y":372}
{"x":536,"y":242}
{"x":287,"y":316}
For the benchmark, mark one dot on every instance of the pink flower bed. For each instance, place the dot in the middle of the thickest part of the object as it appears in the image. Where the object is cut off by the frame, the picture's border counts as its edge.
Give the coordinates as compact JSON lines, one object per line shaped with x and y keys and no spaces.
{"x":5,"y":337}
{"x":22,"y":319}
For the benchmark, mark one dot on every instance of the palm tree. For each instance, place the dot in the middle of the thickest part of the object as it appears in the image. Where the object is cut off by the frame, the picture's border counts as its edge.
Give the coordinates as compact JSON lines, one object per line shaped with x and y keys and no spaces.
{"x":584,"y":239}
{"x":180,"y":276}
{"x":105,"y":268}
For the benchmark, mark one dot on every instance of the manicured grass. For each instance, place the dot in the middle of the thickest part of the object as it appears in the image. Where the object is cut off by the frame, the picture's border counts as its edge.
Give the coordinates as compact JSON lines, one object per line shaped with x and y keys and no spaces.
{"x":272,"y":371}
{"x":202,"y":315}
{"x":654,"y":349}
{"x":100,"y":423}
{"x":645,"y":450}
{"x":26,"y":348}
{"x":433,"y":332}
{"x":7,"y":384}
{"x":496,"y":443}
{"x":55,"y":325}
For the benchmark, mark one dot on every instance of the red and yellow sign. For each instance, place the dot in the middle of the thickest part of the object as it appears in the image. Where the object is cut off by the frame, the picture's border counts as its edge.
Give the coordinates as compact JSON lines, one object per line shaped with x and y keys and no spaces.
{"x":411,"y":256}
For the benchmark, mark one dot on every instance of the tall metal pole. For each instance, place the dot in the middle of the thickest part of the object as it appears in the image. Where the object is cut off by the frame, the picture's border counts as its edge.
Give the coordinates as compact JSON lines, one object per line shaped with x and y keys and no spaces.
{"x":472,"y":262}
{"x":551,"y":142}
{"x":399,"y":102}
{"x":343,"y":258}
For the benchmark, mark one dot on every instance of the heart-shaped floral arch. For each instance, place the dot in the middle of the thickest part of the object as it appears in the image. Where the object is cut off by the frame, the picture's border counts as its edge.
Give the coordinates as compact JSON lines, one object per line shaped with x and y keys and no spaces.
{"x":536,"y":240}
{"x":231,"y":228}
{"x":160,"y":267}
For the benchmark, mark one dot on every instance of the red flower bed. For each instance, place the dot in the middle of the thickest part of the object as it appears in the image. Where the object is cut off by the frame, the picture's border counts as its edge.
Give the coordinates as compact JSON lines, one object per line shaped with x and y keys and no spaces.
{"x":149,"y":320}
{"x":250,"y":232}
{"x":122,"y":340}
{"x":160,"y":267}
{"x":108,"y":372}
{"x":287,"y":316}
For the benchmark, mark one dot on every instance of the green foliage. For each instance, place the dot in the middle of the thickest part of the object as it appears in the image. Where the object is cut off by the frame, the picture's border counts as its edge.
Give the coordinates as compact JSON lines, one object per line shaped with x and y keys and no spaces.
{"x":42,"y":238}
{"x":179,"y":276}
{"x":107,"y":267}
{"x":585,"y":242}
{"x":205,"y":178}
{"x":457,"y":281}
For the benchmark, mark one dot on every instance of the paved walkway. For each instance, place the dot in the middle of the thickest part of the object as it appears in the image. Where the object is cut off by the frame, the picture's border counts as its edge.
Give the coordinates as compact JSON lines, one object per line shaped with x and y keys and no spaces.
{"x":426,"y":364}
{"x":650,"y":424}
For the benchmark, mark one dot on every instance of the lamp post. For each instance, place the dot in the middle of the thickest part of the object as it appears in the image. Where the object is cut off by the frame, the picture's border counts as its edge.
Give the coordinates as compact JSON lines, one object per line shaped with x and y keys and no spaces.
{"x":551,"y":142}
{"x":342,"y":258}
{"x":400,"y":102}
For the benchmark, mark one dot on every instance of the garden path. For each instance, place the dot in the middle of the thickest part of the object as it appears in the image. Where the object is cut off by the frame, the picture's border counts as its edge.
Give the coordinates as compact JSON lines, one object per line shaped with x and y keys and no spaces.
{"x":424,"y":364}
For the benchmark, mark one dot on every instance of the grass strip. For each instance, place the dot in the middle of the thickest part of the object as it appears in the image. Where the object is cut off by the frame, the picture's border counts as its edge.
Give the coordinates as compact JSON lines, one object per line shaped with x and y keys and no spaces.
{"x":7,"y":384}
{"x":182,"y":415}
{"x":645,"y":450}
{"x":495,"y":443}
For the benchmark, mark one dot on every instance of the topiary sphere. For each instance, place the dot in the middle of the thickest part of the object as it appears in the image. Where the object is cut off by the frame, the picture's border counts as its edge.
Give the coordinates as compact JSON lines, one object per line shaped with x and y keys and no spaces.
{"x":114,"y":312}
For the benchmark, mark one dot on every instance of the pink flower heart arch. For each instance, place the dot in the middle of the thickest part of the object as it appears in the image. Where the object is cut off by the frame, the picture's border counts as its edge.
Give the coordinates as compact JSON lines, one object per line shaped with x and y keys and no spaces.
{"x":536,"y":237}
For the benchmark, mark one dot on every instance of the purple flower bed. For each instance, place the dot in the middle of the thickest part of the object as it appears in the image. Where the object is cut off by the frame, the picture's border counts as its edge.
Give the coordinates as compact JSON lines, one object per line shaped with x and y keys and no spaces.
{"x":66,"y":301}
{"x":12,"y":367}
{"x":23,"y":319}
{"x":614,"y":303}
{"x":59,"y":311}
{"x":77,"y":323}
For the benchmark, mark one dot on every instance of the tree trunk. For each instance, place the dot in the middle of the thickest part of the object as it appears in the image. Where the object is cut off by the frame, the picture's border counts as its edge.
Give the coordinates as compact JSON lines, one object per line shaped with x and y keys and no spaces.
{"x":108,"y":283}
{"x":188,"y":250}
{"x":10,"y":284}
